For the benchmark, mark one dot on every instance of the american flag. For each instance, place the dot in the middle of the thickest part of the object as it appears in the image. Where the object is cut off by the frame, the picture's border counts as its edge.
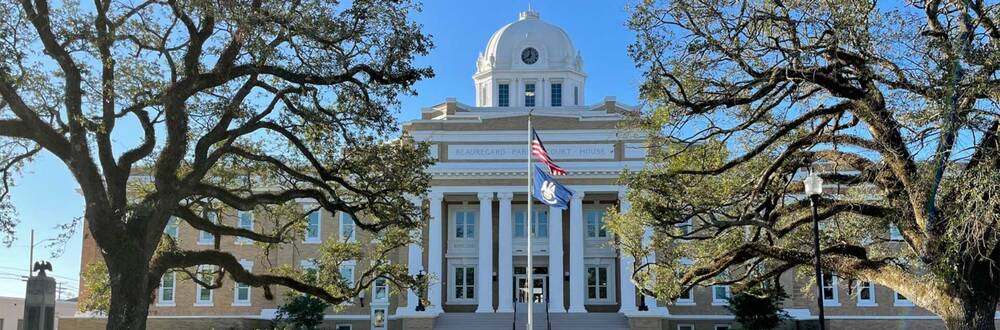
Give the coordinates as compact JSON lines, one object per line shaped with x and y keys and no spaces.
{"x":538,"y":150}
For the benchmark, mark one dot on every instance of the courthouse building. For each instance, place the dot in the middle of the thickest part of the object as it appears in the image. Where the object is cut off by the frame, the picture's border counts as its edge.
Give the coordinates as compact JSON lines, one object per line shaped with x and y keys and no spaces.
{"x":475,"y":242}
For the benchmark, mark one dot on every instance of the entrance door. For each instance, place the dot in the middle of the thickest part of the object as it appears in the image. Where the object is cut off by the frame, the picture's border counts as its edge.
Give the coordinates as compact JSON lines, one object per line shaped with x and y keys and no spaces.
{"x":523,"y":292}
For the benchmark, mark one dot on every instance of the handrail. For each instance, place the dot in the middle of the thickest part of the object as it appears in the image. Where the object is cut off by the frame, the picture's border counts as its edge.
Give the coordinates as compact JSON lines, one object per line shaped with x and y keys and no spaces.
{"x":513,"y":323}
{"x":548,"y":323}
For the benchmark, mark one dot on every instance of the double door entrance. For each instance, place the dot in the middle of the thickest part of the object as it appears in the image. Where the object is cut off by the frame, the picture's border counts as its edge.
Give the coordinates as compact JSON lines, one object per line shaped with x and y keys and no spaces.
{"x":523,"y":292}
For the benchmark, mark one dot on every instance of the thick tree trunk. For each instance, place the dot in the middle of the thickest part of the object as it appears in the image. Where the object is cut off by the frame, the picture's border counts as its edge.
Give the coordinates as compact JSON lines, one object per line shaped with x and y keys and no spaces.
{"x":979,"y":312}
{"x":130,"y":292}
{"x":978,"y":296}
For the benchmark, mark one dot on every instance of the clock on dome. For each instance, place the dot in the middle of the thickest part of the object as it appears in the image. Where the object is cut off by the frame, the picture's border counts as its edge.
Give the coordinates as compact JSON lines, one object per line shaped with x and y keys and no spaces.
{"x":529,"y":55}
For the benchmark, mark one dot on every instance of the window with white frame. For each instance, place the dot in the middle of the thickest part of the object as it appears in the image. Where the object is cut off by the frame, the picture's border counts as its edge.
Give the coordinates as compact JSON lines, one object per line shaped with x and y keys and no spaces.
{"x":379,"y":319}
{"x":685,"y":327}
{"x":205,"y":237}
{"x":311,"y":269}
{"x":894,"y":233}
{"x":830,"y":294}
{"x":343,"y":327}
{"x":597,"y":284}
{"x":203,"y":295}
{"x":245,"y":221}
{"x":539,"y":223}
{"x":685,"y":298}
{"x":866,"y":294}
{"x":720,"y":295}
{"x":173,"y":227}
{"x":465,"y":224}
{"x":556,"y":95}
{"x":313,"y":223}
{"x":241,"y":294}
{"x":464,"y":283}
{"x":168,"y":286}
{"x":380,"y":290}
{"x":347,"y":232}
{"x":529,"y":95}
{"x":595,"y":224}
{"x":503,"y":95}
{"x":901,"y":300}
{"x":347,"y":273}
{"x":722,"y":327}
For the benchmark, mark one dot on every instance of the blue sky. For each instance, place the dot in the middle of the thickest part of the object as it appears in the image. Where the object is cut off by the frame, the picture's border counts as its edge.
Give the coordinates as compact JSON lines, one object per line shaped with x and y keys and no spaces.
{"x":46,"y":194}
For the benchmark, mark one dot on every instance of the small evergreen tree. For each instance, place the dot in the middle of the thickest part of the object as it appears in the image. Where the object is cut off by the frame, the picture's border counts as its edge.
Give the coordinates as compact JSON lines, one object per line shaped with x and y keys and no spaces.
{"x":302,"y":312}
{"x":759,"y":307}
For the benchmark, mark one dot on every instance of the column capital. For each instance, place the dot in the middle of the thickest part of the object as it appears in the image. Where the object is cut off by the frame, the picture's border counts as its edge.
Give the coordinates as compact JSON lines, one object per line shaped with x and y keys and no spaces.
{"x":485,"y":196}
{"x":579,"y":195}
{"x":505,"y":196}
{"x":436,"y":196}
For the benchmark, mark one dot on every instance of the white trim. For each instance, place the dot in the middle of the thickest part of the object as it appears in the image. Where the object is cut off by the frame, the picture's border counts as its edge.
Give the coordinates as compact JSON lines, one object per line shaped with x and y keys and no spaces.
{"x":689,"y":301}
{"x":173,"y":294}
{"x":834,"y":280}
{"x":239,"y":222}
{"x":518,"y":136}
{"x":871,"y":293}
{"x":722,"y":326}
{"x":340,"y":228}
{"x":685,"y":326}
{"x":198,"y":289}
{"x":248,"y":265}
{"x":211,"y":239}
{"x":721,"y":302}
{"x":905,"y":302}
{"x":319,"y":225}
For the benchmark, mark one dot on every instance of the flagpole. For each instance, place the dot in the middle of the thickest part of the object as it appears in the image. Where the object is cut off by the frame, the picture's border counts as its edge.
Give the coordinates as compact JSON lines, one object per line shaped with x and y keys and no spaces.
{"x":531,"y":279}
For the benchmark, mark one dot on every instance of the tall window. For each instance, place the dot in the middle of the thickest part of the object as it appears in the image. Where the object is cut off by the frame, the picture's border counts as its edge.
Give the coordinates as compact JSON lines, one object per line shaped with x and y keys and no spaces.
{"x":529,"y":95}
{"x":539,"y":224}
{"x":205,"y":237}
{"x":597,"y":283}
{"x":347,"y":273}
{"x":830,"y":289}
{"x":503,"y":97}
{"x":866,"y":294}
{"x":720,"y":294}
{"x":595,"y":224}
{"x":380,"y":290}
{"x":245,"y":222}
{"x":313,"y":226}
{"x":347,"y":232}
{"x":556,"y":95}
{"x":576,"y":95}
{"x":241,"y":296}
{"x":173,"y":227}
{"x":465,"y":283}
{"x":465,"y":225}
{"x":203,"y":295}
{"x":167,"y":284}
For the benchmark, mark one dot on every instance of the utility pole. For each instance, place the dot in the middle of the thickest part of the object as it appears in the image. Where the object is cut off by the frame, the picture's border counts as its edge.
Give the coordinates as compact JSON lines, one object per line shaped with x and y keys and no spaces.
{"x":31,"y":253}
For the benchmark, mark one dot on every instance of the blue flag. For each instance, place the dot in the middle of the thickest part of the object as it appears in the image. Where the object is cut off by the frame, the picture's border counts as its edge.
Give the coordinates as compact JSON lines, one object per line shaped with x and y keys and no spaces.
{"x":549,"y":191}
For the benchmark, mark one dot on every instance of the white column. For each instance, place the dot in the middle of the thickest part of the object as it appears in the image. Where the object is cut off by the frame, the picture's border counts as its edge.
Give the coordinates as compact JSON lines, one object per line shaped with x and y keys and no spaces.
{"x":576,"y":269}
{"x":484,"y":283}
{"x":505,"y":273}
{"x":435,"y":251}
{"x":625,"y":267}
{"x":555,"y":261}
{"x":415,"y":261}
{"x":647,"y":239}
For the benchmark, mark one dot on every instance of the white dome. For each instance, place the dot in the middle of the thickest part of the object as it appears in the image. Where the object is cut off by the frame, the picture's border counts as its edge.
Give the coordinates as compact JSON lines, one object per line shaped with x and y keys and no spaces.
{"x":554,"y":48}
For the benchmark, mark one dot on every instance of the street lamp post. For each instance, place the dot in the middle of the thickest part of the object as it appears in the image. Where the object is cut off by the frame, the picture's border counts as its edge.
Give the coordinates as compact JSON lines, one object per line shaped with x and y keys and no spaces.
{"x":420,"y":293}
{"x":814,"y":188}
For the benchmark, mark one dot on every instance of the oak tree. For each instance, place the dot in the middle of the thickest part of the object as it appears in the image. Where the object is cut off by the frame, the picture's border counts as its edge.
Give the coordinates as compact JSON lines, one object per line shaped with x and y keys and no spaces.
{"x":193,"y":110}
{"x":894,"y":104}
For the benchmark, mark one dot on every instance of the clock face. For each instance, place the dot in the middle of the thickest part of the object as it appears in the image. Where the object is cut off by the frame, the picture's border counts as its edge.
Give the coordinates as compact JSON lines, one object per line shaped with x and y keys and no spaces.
{"x":529,"y":55}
